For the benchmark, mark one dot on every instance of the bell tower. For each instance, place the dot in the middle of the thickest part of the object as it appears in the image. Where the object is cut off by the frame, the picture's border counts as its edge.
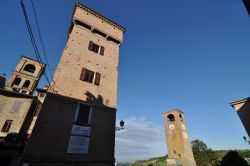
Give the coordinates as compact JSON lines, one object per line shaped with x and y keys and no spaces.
{"x":26,"y":75}
{"x":179,"y":147}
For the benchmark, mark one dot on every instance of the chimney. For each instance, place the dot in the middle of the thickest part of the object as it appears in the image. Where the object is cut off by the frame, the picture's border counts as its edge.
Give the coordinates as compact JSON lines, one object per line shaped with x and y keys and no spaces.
{"x":2,"y":81}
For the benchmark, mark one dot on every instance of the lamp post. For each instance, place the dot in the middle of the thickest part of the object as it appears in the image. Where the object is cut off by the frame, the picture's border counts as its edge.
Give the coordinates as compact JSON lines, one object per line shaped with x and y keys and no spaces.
{"x":121,"y":126}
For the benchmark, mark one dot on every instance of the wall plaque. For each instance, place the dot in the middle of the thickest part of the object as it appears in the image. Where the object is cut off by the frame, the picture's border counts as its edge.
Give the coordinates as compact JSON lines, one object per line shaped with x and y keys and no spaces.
{"x":81,"y":130}
{"x":78,"y":145}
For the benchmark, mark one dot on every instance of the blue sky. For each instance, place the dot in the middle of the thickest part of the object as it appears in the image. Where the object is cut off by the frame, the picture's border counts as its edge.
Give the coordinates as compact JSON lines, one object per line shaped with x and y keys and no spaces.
{"x":192,"y":55}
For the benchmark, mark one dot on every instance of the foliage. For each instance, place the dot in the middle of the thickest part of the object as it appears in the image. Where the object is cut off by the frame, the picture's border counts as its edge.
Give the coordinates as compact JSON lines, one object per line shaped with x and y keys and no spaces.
{"x":198,"y":146}
{"x":202,"y":155}
{"x":156,"y":161}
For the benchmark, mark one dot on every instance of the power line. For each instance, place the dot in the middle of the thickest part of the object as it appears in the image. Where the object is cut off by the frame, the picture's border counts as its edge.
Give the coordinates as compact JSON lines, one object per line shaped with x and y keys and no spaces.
{"x":37,"y":54}
{"x":39,"y":59}
{"x":40,"y":37}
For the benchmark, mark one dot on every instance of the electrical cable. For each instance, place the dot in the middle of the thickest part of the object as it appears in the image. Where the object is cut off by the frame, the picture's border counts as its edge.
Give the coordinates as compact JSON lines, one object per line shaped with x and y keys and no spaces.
{"x":40,"y":37}
{"x":32,"y":38}
{"x":37,"y":54}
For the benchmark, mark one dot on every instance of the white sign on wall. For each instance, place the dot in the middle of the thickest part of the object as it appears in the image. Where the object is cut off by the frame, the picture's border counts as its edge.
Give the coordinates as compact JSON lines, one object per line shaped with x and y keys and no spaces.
{"x":78,"y":145}
{"x":81,"y":130}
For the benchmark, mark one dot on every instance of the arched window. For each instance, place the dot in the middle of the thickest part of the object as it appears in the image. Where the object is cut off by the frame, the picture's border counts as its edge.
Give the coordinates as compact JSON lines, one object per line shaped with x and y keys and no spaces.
{"x":17,"y":81}
{"x":171,"y":118}
{"x":30,"y":68}
{"x":180,"y":116}
{"x":26,"y":84}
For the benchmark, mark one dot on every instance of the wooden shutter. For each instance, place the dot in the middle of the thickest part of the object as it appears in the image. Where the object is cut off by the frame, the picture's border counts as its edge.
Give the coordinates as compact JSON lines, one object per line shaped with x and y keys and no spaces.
{"x":102,"y":50}
{"x":97,"y":79}
{"x":83,"y":74}
{"x":91,"y":45}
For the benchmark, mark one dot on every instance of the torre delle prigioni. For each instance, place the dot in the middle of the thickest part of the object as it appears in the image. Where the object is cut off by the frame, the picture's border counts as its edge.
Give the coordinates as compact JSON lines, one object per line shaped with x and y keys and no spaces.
{"x":72,"y":120}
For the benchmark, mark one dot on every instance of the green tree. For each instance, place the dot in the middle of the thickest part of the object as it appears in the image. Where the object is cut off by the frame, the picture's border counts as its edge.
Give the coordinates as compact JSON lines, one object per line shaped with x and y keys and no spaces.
{"x":203,"y":155}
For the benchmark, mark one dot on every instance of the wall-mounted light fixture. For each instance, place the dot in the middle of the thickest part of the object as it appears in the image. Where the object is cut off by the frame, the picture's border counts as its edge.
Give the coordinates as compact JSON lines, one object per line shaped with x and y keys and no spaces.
{"x":121,"y":126}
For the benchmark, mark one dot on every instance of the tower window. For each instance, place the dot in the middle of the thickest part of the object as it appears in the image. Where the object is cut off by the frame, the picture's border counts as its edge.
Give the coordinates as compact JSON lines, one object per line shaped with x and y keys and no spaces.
{"x":88,"y":76}
{"x":171,"y":118}
{"x":96,"y":48}
{"x":83,"y":114}
{"x":30,"y":68}
{"x":93,"y":47}
{"x":26,"y":84}
{"x":180,"y":115}
{"x":6,"y":126}
{"x":17,"y":81}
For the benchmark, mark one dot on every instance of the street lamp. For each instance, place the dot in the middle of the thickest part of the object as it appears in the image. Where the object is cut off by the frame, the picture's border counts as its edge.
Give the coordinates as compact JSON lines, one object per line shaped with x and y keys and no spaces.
{"x":121,"y":126}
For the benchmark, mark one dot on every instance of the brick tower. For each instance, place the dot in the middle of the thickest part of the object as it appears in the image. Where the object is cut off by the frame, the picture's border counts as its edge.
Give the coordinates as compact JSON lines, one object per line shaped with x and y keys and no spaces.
{"x":179,"y":147}
{"x":78,"y":115}
{"x":89,"y":63}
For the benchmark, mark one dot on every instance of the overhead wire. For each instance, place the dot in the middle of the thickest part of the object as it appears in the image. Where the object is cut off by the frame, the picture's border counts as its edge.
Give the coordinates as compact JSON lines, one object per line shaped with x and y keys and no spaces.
{"x":37,"y":54}
{"x":33,"y":41}
{"x":40,"y":37}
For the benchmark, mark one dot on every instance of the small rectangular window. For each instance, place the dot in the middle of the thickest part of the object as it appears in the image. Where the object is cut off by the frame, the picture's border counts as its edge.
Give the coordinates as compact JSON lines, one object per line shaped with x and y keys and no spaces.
{"x":87,"y":75}
{"x":96,"y":48}
{"x":83,"y":114}
{"x":93,"y":47}
{"x":6,"y":126}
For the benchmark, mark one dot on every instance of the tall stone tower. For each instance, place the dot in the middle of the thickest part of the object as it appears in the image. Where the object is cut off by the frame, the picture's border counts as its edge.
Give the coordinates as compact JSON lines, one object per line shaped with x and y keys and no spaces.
{"x":26,"y":75}
{"x":89,"y":63}
{"x":179,"y":147}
